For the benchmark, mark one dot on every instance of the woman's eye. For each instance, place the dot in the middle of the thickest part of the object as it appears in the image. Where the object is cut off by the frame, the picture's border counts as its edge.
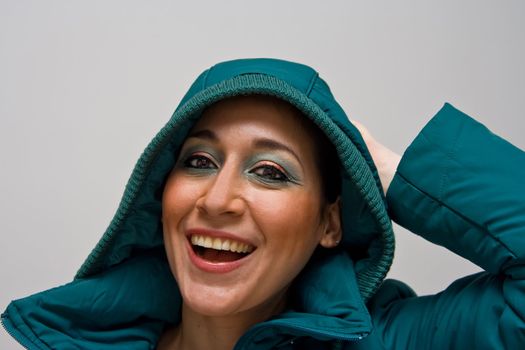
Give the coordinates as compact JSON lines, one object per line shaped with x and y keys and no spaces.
{"x":199,"y":162}
{"x":271,"y":173}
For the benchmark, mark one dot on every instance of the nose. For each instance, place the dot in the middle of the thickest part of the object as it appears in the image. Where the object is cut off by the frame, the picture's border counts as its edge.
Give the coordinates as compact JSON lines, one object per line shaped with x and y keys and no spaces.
{"x":223,"y":194}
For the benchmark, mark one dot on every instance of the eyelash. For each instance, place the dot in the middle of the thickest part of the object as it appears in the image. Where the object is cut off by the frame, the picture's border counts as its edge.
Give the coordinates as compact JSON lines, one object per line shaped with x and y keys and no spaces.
{"x":197,"y":157}
{"x":276,"y":175}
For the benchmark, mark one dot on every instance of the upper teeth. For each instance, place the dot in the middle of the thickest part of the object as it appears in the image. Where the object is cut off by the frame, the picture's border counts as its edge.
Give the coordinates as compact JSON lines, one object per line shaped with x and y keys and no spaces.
{"x":221,"y":244}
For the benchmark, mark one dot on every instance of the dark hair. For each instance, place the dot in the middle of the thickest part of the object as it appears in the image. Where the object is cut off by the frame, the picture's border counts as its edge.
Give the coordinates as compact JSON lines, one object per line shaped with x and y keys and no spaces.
{"x":326,"y":155}
{"x":328,"y":163}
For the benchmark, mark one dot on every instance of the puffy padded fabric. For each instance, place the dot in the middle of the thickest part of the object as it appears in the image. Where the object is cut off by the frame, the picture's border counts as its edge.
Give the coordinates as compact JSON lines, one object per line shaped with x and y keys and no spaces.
{"x":458,"y":185}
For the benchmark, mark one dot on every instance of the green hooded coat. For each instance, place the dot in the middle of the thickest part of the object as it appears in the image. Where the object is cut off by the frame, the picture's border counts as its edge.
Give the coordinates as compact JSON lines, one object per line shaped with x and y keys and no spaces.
{"x":458,"y":185}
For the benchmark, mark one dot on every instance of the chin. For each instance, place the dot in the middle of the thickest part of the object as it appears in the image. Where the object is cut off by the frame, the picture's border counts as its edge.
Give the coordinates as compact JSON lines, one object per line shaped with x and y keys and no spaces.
{"x":226,"y":301}
{"x":212,"y":302}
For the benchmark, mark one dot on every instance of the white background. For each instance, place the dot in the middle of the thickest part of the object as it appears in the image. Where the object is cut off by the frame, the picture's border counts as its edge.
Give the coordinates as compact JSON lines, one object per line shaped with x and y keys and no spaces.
{"x":85,"y":85}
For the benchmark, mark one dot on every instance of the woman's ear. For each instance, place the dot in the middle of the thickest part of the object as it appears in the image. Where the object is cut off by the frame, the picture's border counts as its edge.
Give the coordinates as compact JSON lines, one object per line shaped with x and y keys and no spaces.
{"x":332,"y":234}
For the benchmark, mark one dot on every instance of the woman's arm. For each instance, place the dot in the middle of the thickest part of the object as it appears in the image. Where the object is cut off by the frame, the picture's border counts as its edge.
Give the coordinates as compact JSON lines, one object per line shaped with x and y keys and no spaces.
{"x":460,"y":186}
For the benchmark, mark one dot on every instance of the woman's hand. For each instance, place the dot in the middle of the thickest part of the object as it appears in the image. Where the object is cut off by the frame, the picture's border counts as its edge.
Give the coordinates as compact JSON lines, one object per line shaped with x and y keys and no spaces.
{"x":385,"y":159}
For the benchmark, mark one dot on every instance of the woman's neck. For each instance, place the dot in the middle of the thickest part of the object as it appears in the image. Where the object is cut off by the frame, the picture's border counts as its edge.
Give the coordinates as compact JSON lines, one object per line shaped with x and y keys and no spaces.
{"x":197,"y":331}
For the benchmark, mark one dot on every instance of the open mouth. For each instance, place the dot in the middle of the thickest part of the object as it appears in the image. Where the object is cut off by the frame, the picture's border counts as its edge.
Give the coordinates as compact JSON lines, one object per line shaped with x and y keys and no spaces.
{"x":217,"y":250}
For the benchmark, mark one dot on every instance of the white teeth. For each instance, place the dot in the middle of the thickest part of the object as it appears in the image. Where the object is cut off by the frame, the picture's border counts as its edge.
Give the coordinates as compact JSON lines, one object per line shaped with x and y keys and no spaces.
{"x":217,"y":244}
{"x":221,"y":244}
{"x":208,"y":243}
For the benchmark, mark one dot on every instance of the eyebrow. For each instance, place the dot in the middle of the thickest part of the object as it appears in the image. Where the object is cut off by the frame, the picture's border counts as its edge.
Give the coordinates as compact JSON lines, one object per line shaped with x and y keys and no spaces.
{"x":264,"y":142}
{"x":204,"y":134}
{"x":261,"y":142}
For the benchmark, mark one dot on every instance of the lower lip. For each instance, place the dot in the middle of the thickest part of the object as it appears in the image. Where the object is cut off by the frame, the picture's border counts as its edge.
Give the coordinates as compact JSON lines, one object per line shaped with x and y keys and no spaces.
{"x":214,"y":267}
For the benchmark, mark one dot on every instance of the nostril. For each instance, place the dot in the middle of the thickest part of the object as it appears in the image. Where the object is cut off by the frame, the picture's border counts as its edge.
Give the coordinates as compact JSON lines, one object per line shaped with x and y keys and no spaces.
{"x":222,"y":197}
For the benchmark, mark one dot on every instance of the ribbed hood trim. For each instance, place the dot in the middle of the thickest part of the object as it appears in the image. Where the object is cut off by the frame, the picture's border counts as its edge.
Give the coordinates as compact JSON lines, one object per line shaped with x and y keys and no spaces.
{"x":356,"y":162}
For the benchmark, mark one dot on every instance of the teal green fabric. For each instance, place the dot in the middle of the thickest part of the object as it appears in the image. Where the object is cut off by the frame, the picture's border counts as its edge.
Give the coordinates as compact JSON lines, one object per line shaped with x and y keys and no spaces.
{"x":458,"y":185}
{"x":367,"y":228}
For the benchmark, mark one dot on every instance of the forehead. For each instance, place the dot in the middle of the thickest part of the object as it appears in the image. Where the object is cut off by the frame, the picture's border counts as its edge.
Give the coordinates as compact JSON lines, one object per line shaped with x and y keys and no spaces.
{"x":259,"y":111}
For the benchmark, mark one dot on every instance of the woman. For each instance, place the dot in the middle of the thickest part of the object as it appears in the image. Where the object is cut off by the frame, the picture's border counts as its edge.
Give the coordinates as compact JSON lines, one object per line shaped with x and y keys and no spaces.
{"x":256,"y":219}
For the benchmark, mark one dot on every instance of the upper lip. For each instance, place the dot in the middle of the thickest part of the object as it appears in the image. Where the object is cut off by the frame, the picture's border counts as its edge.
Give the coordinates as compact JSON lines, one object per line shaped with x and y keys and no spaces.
{"x":218,"y":234}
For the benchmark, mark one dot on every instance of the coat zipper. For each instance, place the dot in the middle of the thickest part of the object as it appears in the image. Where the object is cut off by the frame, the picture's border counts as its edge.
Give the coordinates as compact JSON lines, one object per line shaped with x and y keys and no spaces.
{"x":244,"y":341}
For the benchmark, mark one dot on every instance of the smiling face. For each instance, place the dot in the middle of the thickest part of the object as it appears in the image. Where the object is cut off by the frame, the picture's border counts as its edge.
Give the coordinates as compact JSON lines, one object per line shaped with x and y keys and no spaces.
{"x":243,"y":208}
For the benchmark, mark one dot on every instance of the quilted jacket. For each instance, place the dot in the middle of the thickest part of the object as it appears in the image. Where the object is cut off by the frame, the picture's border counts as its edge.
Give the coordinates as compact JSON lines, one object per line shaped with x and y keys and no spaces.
{"x":458,"y":185}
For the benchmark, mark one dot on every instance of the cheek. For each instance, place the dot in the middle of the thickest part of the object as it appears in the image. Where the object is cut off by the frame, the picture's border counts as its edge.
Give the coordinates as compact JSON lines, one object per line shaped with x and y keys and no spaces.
{"x":291,"y":231}
{"x":177,"y":200}
{"x":178,"y":196}
{"x":290,"y":220}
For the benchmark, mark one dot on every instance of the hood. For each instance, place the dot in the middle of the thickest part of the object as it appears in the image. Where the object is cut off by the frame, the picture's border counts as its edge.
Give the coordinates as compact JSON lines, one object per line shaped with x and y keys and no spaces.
{"x":124,"y":293}
{"x":367,"y":230}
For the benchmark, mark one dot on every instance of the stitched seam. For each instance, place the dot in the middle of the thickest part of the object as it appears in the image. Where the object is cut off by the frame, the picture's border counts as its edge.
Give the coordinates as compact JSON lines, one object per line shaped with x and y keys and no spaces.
{"x":312,"y":83}
{"x":450,"y":156}
{"x":205,"y":78}
{"x":30,"y":328}
{"x":368,"y":280}
{"x":462,"y":216}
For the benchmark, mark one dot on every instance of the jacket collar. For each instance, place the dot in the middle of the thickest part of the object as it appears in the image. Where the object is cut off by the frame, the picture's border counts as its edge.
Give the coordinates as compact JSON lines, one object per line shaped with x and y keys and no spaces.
{"x":325,"y":304}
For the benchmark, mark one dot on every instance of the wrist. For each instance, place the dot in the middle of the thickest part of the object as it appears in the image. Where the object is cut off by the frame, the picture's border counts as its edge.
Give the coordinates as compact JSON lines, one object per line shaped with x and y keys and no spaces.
{"x":386,"y":162}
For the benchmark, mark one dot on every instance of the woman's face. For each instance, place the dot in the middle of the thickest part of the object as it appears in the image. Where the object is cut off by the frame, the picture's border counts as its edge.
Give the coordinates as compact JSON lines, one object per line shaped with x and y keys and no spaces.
{"x":242,"y":209}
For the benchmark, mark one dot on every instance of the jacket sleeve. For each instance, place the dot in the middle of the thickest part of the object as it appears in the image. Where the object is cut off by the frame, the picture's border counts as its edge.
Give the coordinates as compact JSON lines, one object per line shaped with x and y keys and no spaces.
{"x":462,"y":187}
